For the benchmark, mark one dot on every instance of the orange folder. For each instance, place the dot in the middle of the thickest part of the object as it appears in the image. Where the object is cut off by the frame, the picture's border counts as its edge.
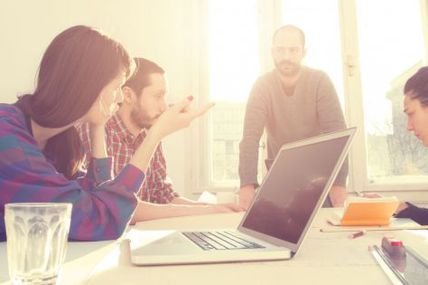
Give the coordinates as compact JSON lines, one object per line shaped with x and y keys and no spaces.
{"x":367,"y":212}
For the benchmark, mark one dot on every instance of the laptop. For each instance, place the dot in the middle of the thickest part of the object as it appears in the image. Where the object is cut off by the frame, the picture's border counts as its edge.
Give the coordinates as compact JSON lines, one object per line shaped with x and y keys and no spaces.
{"x":275,"y":225}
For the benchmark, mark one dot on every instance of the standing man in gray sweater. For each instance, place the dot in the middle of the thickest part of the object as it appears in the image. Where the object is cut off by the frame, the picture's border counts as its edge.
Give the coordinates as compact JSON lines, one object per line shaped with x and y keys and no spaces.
{"x":292,"y":102}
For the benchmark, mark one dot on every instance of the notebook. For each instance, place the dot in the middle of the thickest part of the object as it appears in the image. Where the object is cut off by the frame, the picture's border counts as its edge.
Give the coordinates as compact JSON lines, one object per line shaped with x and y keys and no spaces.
{"x":359,"y":211}
{"x":276,"y":223}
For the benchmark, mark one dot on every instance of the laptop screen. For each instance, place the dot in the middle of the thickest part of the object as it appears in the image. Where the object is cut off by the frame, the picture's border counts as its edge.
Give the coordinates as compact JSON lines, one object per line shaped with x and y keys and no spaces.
{"x":292,"y":188}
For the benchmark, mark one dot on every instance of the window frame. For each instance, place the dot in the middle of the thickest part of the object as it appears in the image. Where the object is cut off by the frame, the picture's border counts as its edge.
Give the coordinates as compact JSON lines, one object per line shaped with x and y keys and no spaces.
{"x":358,"y":172}
{"x":269,"y":17}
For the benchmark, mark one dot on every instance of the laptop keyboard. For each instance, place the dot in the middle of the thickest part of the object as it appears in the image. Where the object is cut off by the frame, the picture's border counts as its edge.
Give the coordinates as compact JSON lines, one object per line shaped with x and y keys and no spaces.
{"x":221,"y":240}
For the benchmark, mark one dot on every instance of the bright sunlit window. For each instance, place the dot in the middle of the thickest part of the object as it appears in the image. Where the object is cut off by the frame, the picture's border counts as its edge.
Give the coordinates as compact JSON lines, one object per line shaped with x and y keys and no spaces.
{"x":391,"y":50}
{"x":233,"y":49}
{"x":385,"y":48}
{"x":233,"y":68}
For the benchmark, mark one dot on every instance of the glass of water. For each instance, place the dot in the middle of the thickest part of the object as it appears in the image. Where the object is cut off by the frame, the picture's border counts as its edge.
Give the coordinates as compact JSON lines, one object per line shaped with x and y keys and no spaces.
{"x":36,"y":241}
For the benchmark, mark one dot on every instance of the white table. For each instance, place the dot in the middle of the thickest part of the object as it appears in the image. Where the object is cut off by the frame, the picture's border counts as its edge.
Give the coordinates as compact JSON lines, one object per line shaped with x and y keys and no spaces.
{"x":82,"y":257}
{"x":325,"y":258}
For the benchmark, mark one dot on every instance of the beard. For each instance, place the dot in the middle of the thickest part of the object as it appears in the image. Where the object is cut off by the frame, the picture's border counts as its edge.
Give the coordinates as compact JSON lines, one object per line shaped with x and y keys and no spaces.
{"x":141,"y":120}
{"x":287,"y":68}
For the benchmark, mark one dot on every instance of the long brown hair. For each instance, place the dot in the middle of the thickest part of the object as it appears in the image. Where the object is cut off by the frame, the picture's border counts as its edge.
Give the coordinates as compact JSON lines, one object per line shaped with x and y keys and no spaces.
{"x":74,"y":69}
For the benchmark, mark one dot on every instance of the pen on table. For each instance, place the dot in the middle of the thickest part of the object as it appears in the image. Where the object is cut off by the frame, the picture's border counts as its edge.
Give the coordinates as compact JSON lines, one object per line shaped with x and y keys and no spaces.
{"x":357,"y":234}
{"x":372,"y":229}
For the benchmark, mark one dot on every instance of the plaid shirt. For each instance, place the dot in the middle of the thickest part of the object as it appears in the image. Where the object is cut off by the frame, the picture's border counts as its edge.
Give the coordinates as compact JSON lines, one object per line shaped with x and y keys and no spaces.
{"x":121,"y":145}
{"x":102,"y":206}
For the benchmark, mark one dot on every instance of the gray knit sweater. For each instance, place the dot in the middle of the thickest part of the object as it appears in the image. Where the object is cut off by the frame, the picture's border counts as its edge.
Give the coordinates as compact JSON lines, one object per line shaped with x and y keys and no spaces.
{"x":288,"y":115}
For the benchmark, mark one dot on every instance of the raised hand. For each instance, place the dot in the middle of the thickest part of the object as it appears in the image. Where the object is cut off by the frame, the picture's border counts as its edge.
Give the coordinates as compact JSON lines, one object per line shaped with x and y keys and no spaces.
{"x":177,"y":117}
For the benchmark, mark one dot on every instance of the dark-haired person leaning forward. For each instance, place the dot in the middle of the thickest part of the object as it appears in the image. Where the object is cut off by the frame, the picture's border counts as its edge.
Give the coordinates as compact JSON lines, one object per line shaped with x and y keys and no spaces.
{"x":416,"y":108}
{"x":79,"y":80}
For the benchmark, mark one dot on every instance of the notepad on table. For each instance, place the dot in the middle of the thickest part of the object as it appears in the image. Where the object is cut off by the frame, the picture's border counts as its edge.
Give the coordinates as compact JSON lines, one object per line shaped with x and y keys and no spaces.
{"x":360,"y":211}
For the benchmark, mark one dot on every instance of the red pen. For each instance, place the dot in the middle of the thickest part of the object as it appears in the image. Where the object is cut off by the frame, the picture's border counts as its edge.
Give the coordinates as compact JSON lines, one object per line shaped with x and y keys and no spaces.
{"x":357,"y":234}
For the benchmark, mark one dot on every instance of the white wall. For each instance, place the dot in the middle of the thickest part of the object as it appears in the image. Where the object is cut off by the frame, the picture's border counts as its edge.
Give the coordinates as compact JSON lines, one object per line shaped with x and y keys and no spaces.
{"x":162,"y":31}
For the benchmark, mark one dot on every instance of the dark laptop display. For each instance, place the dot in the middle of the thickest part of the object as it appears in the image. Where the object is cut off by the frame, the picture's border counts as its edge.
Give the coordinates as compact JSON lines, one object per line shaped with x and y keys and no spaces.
{"x":293,"y":188}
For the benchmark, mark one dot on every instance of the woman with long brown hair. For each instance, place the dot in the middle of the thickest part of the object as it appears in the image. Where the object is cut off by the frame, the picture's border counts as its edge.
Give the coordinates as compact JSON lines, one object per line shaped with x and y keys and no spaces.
{"x":79,"y":80}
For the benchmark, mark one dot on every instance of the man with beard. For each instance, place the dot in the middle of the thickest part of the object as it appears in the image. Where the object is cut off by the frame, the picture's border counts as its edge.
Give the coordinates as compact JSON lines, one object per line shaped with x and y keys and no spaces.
{"x":292,"y":102}
{"x":144,"y":100}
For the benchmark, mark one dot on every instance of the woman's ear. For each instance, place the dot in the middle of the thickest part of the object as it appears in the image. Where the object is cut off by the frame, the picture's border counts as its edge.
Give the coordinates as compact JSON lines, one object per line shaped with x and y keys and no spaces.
{"x":129,"y":95}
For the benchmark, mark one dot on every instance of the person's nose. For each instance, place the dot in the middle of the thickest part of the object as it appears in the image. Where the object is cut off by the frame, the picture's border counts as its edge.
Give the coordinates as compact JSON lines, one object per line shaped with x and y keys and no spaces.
{"x":409,"y":125}
{"x":286,"y":55}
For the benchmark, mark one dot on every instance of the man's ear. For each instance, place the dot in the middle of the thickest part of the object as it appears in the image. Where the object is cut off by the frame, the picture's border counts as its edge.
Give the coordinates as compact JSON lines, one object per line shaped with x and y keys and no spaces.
{"x":129,"y":95}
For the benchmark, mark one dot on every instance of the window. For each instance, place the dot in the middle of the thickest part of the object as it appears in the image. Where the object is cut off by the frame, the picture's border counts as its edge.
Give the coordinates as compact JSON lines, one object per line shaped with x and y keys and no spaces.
{"x":391,"y":50}
{"x":233,"y":68}
{"x":368,"y":54}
